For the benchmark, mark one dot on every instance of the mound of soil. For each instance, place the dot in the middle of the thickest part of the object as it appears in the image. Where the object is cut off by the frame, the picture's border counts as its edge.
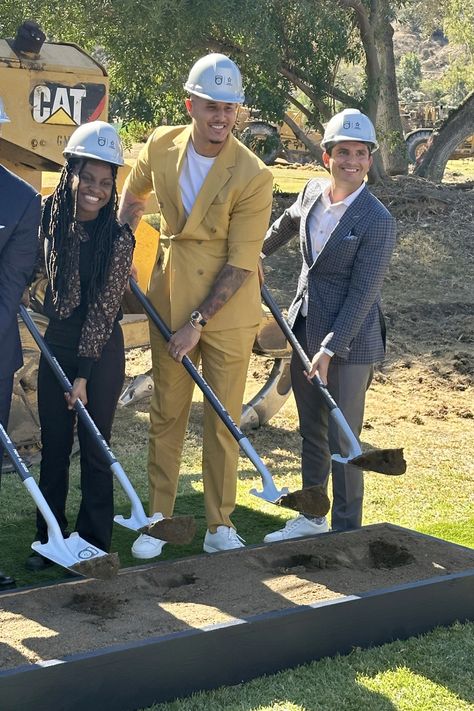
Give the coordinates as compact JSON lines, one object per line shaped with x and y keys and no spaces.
{"x":47,"y":623}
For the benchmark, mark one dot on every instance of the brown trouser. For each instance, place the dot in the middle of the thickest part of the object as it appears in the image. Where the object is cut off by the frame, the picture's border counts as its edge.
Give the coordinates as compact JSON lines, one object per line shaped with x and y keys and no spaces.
{"x":225,"y":357}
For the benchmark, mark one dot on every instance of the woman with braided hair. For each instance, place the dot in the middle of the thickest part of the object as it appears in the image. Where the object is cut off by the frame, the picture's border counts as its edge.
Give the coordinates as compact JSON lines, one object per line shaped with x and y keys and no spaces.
{"x":87,"y":256}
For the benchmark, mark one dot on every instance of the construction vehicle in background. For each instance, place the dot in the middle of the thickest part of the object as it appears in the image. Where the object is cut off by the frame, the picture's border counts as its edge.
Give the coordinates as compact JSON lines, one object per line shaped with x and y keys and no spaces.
{"x":50,"y":88}
{"x":420,"y":119}
{"x":275,"y":140}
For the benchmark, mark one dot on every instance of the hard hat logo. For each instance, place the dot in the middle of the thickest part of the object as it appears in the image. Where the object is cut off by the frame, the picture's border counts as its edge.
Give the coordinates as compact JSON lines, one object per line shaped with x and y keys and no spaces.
{"x":217,"y":78}
{"x":349,"y":125}
{"x":97,"y":140}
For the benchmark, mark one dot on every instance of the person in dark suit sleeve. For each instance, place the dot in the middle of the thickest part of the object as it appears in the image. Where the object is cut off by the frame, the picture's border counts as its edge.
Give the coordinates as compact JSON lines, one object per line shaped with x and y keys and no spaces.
{"x":347,"y":237}
{"x":20,"y":208}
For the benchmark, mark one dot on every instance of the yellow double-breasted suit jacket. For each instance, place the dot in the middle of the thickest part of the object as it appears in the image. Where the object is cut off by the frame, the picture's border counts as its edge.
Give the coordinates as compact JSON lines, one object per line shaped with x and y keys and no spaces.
{"x":226,"y":225}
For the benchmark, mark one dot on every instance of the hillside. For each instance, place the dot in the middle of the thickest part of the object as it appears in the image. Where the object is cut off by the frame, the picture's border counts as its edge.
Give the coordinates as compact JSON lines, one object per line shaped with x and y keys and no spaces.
{"x":435,"y":53}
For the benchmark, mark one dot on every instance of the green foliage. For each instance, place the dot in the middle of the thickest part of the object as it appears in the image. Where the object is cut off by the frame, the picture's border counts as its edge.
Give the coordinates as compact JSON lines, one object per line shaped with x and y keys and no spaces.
{"x":453,"y":86}
{"x":422,"y":17}
{"x":148,"y":47}
{"x":351,"y":79}
{"x":459,"y":23}
{"x":135,"y":132}
{"x":456,"y":19}
{"x":409,"y":72}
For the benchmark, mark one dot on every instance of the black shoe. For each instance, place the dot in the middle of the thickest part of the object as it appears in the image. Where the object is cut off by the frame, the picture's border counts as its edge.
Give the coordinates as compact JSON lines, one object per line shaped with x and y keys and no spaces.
{"x":36,"y":563}
{"x":6,"y":581}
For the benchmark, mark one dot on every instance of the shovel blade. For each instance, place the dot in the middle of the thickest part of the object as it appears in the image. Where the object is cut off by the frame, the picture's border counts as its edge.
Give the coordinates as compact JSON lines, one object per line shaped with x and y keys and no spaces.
{"x":383,"y":461}
{"x":177,"y":529}
{"x":312,"y":501}
{"x":270,"y":493}
{"x":79,"y":556}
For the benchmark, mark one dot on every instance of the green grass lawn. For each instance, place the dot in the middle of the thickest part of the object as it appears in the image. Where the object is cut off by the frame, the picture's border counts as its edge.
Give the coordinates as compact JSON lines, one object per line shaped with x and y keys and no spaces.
{"x":289,"y":179}
{"x":429,"y":673}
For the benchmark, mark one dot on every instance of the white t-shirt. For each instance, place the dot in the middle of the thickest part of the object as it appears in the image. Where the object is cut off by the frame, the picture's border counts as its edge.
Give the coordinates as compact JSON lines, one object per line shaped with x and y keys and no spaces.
{"x":193,"y":175}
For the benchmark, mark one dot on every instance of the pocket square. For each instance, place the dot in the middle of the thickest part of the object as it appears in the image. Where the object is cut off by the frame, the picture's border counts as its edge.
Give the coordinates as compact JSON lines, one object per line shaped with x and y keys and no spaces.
{"x":351,"y":236}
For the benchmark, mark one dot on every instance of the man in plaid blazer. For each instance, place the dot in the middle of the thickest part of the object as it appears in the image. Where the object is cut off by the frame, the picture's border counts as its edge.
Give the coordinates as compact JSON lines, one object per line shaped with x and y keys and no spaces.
{"x":347,"y":237}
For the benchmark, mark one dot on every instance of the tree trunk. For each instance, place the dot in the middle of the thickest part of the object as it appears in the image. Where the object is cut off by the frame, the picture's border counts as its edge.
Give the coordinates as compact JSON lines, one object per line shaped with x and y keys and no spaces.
{"x":376,"y":34}
{"x":389,"y":124}
{"x":458,"y":126}
{"x":313,"y":148}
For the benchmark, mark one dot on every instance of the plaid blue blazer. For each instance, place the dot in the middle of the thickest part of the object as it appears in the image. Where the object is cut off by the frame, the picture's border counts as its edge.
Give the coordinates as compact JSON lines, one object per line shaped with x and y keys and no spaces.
{"x":344,"y":283}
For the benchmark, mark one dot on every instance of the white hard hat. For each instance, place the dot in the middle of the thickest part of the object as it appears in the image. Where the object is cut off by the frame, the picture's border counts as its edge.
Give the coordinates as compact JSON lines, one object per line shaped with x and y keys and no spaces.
{"x":216,"y":77}
{"x":98,"y":140}
{"x":349,"y":125}
{"x":3,"y":117}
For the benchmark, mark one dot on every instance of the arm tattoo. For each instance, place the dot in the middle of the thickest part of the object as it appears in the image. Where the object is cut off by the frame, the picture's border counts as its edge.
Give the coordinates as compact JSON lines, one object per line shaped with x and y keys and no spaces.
{"x":227,"y":282}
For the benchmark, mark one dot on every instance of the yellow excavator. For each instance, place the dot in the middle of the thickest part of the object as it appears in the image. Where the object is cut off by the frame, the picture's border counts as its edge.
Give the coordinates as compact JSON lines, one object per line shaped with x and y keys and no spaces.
{"x":50,"y":88}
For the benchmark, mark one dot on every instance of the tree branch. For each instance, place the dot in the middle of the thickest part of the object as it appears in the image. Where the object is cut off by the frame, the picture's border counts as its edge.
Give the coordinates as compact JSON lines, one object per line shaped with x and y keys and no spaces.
{"x":313,"y":148}
{"x":367,"y":36}
{"x":304,"y":110}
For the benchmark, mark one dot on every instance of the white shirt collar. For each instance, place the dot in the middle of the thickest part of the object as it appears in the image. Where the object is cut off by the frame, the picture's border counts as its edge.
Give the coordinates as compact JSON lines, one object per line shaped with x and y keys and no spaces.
{"x":347,"y":200}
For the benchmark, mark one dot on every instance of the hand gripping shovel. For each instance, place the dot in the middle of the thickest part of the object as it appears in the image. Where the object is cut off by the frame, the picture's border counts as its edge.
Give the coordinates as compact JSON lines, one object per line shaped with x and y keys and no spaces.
{"x":73,"y":553}
{"x":315,"y":500}
{"x":176,"y":530}
{"x":383,"y":461}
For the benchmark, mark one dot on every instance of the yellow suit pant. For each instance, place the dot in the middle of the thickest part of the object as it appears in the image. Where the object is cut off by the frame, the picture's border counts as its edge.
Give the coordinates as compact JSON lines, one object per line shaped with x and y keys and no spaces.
{"x":225,"y":357}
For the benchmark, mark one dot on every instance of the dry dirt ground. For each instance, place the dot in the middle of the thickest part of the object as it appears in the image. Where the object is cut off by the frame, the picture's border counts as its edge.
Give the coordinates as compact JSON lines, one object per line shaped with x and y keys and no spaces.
{"x":158,"y":599}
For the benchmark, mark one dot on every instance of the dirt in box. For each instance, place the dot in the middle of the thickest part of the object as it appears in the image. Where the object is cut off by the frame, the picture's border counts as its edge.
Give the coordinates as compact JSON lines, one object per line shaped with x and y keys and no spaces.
{"x":162,"y":598}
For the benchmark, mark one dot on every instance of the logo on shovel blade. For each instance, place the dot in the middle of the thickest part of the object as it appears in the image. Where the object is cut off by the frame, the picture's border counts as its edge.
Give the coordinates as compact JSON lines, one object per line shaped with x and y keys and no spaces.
{"x":87,"y":553}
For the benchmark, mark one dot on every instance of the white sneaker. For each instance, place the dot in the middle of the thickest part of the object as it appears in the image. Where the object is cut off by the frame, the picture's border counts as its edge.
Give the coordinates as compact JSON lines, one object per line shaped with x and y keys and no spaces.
{"x":224,"y":539}
{"x":147,"y":547}
{"x":297,"y":528}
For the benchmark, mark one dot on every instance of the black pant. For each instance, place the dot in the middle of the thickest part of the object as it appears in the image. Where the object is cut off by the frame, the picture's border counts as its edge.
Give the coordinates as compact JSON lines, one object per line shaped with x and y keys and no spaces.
{"x":6,"y":389}
{"x":95,"y":517}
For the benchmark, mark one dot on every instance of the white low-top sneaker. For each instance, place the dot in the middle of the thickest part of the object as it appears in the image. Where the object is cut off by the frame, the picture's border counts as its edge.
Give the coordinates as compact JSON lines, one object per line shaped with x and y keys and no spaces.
{"x":224,"y":539}
{"x":297,"y":528}
{"x":147,"y":547}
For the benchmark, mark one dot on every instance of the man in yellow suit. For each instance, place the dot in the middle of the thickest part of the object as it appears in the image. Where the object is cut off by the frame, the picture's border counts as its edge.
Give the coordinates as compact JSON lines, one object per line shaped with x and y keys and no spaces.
{"x":215,"y":200}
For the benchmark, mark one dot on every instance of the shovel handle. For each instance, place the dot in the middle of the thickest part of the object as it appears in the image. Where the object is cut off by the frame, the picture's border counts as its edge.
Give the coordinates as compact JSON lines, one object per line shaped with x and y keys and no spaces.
{"x":66,"y":385}
{"x":54,"y":532}
{"x":15,"y":458}
{"x":270,"y":491}
{"x":139,"y":517}
{"x":187,"y":362}
{"x":350,"y":440}
{"x":296,"y":345}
